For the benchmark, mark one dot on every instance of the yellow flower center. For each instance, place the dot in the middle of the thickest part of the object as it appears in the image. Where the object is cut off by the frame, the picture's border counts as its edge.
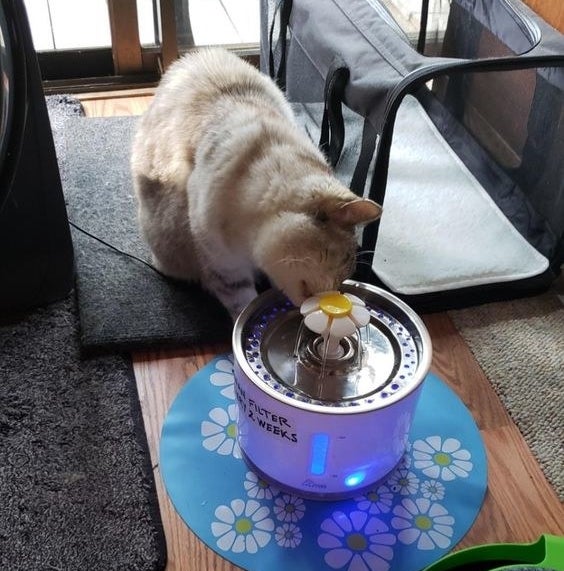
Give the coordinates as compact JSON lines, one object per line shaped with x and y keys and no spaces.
{"x":442,"y":459}
{"x":243,"y":525}
{"x":357,"y":542}
{"x":231,"y":430}
{"x":335,"y":304}
{"x":423,"y":522}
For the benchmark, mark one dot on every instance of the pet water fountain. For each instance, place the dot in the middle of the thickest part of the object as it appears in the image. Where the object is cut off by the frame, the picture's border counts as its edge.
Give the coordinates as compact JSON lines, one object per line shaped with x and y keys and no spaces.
{"x":327,"y":392}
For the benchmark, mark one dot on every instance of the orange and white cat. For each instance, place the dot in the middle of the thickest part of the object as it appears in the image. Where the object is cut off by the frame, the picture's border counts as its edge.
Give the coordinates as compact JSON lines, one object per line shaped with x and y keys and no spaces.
{"x":228,"y":185}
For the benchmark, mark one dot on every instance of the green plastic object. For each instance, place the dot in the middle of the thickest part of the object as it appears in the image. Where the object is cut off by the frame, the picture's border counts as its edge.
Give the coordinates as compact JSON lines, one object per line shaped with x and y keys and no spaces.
{"x":547,"y":553}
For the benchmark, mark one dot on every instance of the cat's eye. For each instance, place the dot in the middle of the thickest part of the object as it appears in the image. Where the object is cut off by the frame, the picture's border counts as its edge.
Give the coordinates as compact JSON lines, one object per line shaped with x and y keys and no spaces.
{"x":321,"y":216}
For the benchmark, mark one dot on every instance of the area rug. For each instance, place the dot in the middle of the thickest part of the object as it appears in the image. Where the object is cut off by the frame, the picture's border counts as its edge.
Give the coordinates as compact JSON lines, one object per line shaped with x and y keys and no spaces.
{"x":410,"y":519}
{"x":76,"y":483}
{"x":520,"y":346}
{"x":123,"y":304}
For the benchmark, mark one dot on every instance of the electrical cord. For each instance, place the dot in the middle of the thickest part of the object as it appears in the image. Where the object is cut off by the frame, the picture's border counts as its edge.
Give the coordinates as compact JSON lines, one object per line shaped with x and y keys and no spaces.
{"x":117,"y":249}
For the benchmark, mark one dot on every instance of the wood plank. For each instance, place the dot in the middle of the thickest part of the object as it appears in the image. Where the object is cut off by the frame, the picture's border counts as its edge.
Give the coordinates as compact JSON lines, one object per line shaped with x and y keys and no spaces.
{"x":126,"y":47}
{"x":552,"y":11}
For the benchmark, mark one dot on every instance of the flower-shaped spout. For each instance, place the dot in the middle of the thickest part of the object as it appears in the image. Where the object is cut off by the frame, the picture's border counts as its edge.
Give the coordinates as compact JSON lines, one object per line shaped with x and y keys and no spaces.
{"x":334,"y":315}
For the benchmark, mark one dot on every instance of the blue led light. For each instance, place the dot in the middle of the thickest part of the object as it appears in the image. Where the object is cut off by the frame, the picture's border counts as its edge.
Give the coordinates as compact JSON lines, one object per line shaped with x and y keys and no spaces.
{"x":319,"y":448}
{"x":354,"y":479}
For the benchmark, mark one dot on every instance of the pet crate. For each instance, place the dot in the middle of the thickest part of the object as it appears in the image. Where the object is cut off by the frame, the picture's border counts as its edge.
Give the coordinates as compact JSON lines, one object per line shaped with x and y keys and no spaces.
{"x":455,"y":125}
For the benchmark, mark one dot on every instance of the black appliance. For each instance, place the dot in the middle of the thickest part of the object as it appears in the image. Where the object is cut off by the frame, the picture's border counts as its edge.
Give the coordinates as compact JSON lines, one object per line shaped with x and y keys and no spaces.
{"x":36,"y":256}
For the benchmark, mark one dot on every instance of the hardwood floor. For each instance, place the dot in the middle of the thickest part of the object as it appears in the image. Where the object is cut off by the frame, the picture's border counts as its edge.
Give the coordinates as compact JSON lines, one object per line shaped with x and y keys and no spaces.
{"x":519,"y":505}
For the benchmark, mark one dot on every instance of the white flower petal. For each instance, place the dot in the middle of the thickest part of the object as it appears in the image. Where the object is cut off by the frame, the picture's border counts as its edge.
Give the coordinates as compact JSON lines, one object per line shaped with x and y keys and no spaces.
{"x":446,"y":474}
{"x":433,"y":471}
{"x":224,"y":365}
{"x":211,"y":428}
{"x":317,"y":321}
{"x":226,"y":447}
{"x":408,"y":536}
{"x":437,"y":510}
{"x":435,"y":442}
{"x":223,"y":513}
{"x":461,"y":467}
{"x":226,"y":541}
{"x":330,"y":526}
{"x":461,"y":454}
{"x":440,"y":540}
{"x":337,"y":558}
{"x":422,"y":446}
{"x":341,"y":327}
{"x":360,"y":315}
{"x":309,"y":305}
{"x":354,"y":299}
{"x":358,"y":563}
{"x":374,"y":561}
{"x":221,"y":379}
{"x":251,"y":544}
{"x":450,"y":445}
{"x":219,"y":528}
{"x":261,"y":537}
{"x":358,"y":519}
{"x":239,"y":544}
{"x":425,"y":542}
{"x":213,"y":442}
{"x":265,"y":525}
{"x":400,"y":523}
{"x":238,"y":506}
{"x":220,"y":416}
{"x":329,"y":541}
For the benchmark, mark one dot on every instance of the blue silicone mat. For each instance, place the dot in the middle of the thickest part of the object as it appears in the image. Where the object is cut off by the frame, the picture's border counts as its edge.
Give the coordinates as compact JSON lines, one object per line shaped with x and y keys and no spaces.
{"x":410,"y":520}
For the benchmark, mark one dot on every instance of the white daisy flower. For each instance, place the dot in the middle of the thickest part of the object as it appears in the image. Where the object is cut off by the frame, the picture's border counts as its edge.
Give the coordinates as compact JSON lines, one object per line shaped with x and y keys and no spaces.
{"x":288,"y":535}
{"x":334,"y":315}
{"x":242,"y":526}
{"x":423,"y":521}
{"x":441,"y":459}
{"x":433,"y":490}
{"x":376,"y":501}
{"x":403,"y":481}
{"x":356,"y":541}
{"x":223,"y":377}
{"x":220,"y":432}
{"x":258,"y":488}
{"x":289,"y":508}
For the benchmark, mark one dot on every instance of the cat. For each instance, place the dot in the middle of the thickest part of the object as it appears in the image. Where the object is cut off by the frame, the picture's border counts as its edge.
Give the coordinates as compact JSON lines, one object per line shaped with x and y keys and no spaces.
{"x":229,"y":186}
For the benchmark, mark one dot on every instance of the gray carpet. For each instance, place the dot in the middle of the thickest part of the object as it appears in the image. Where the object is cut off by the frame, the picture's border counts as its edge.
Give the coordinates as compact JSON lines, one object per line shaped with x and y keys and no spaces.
{"x":123,"y":304}
{"x":520,"y":346}
{"x":76,"y":484}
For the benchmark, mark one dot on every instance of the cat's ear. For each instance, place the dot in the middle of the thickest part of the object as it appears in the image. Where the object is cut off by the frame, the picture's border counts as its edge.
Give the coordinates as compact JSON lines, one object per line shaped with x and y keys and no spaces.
{"x":358,"y":211}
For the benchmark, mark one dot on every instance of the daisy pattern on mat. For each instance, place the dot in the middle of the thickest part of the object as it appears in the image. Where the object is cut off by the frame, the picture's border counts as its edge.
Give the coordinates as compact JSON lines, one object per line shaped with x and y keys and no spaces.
{"x":433,"y":490}
{"x":223,"y":377}
{"x":220,"y":432}
{"x":422,"y":521}
{"x":443,"y":459}
{"x":288,"y":535}
{"x":289,"y":508}
{"x":376,"y":501}
{"x":258,"y":488}
{"x":242,"y":526}
{"x":403,"y":482}
{"x":356,"y":542}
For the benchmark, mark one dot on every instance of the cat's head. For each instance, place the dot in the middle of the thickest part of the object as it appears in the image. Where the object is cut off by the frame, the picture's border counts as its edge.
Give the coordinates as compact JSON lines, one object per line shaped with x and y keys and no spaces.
{"x":311,"y":247}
